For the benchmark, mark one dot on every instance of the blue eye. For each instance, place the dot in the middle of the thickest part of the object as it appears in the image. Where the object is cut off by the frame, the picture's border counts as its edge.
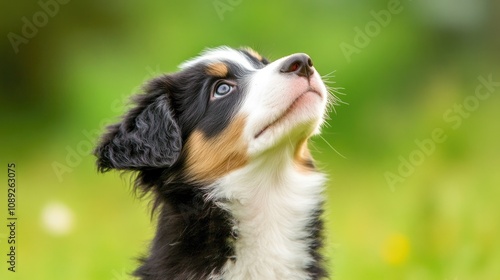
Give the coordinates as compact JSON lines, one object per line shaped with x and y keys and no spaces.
{"x":222,"y":90}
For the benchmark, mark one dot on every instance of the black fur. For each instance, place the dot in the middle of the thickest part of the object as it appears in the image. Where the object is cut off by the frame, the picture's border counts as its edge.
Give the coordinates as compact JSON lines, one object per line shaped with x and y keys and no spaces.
{"x":316,"y":269}
{"x":148,"y":136}
{"x":193,"y":236}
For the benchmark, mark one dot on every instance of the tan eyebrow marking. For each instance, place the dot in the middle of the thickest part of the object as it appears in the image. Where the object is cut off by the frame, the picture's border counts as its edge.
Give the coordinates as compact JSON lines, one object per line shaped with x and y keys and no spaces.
{"x":253,"y":53}
{"x":218,"y":69}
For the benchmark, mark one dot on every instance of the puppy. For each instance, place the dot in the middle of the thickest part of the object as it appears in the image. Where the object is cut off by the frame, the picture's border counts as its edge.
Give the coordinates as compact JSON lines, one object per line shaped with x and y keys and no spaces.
{"x":222,"y":145}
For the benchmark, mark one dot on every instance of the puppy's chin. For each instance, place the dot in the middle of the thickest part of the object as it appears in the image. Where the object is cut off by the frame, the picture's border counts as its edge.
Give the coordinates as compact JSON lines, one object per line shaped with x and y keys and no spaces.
{"x":301,"y":122}
{"x":290,"y":122}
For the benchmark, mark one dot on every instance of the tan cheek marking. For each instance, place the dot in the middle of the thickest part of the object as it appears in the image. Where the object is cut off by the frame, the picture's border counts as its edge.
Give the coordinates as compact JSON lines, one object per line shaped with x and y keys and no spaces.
{"x":209,"y":159}
{"x":217,"y":69}
{"x":253,"y":53}
{"x":302,"y":158}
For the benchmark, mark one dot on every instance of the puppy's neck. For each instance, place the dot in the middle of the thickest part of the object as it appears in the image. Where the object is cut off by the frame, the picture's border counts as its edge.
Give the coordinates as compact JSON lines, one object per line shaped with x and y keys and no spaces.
{"x":275,"y":205}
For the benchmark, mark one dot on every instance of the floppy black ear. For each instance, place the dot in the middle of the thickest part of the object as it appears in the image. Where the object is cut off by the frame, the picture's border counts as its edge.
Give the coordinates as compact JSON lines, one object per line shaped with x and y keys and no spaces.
{"x":148,"y":135}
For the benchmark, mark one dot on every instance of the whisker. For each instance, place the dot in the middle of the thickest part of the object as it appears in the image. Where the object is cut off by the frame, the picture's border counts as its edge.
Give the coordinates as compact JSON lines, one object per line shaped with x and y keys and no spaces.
{"x":331,"y":147}
{"x":330,"y":74}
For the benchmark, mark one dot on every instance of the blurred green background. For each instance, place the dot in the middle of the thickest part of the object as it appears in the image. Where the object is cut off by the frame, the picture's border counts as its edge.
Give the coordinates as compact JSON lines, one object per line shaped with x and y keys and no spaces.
{"x":400,"y":204}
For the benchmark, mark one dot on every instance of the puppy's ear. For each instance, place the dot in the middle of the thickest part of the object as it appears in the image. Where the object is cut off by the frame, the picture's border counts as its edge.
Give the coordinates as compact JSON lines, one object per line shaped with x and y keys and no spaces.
{"x":147,"y":137}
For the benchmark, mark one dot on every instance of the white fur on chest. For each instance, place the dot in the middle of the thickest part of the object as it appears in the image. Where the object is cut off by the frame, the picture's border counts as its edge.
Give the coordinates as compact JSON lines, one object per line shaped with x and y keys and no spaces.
{"x":272,"y":206}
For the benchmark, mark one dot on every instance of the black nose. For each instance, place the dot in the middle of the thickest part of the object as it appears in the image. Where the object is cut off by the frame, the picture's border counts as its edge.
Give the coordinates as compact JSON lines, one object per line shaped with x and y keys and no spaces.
{"x":299,"y":64}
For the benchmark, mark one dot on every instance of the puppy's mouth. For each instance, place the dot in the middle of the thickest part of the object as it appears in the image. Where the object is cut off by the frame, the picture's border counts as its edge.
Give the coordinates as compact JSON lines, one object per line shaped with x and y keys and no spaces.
{"x":289,"y":110}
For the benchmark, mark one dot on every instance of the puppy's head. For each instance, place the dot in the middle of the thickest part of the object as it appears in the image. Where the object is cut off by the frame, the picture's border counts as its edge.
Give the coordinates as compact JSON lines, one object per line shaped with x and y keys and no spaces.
{"x":222,"y":110}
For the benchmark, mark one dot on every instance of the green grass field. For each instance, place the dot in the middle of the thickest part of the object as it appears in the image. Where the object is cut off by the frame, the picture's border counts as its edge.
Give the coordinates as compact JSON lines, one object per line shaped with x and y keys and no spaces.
{"x":413,"y":160}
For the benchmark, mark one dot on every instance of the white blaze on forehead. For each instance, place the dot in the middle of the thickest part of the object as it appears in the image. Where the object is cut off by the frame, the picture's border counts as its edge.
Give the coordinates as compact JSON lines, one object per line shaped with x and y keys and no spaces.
{"x":219,"y":54}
